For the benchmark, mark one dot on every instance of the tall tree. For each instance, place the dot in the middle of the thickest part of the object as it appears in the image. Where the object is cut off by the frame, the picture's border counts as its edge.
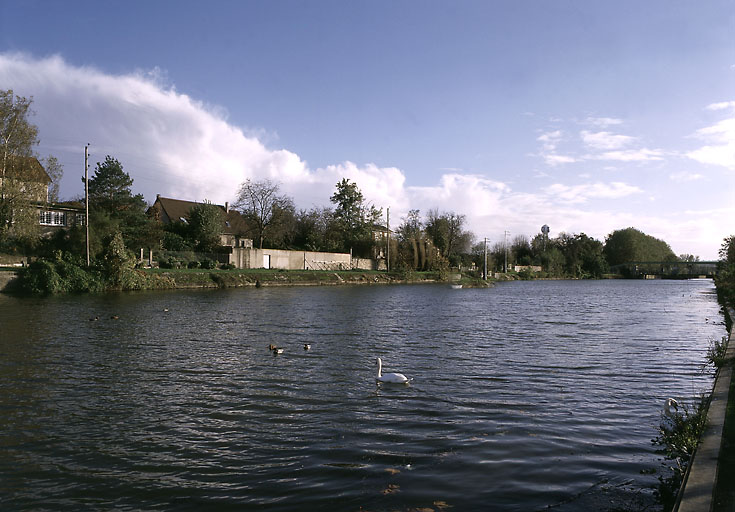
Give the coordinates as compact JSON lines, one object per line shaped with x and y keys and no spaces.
{"x":205,"y":224}
{"x":316,"y":230}
{"x":631,"y":245}
{"x":355,"y":217}
{"x":114,"y":207}
{"x":18,"y":136}
{"x":263,"y":206}
{"x":110,"y":189}
{"x":447,"y":232}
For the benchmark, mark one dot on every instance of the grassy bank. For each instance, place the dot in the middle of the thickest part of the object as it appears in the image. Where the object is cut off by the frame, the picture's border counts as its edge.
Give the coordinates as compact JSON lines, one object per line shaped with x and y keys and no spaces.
{"x":48,"y":277}
{"x":196,"y":278}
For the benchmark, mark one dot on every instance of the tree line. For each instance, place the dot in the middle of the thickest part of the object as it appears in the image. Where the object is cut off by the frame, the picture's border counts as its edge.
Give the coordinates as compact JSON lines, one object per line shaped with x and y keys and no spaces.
{"x":435,"y":240}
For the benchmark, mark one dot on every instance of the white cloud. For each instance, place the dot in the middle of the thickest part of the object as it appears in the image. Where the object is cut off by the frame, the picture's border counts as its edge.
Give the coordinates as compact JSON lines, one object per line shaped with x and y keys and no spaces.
{"x":630,"y":155}
{"x":603,"y":121}
{"x":719,"y":148}
{"x":585,"y":192}
{"x":553,"y":159}
{"x":605,"y":140}
{"x":721,"y":105}
{"x":550,"y":140}
{"x":685,"y":177}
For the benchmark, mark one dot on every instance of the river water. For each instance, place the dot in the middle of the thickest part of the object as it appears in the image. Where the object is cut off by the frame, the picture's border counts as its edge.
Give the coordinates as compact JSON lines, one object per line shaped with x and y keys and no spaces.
{"x":525,"y":396}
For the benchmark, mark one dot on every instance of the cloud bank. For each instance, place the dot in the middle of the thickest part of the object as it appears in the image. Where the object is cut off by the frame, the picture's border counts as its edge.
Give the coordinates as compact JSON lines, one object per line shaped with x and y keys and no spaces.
{"x":177,"y":146}
{"x":719,"y":148}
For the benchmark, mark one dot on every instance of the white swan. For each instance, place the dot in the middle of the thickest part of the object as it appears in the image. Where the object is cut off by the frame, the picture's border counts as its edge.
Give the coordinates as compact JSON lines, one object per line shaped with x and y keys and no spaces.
{"x":393,"y":378}
{"x":671,"y":408}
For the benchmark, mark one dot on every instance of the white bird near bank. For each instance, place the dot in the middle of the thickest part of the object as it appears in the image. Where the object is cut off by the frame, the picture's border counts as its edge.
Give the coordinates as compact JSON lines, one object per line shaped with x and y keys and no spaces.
{"x":392,"y":378}
{"x":671,"y":408}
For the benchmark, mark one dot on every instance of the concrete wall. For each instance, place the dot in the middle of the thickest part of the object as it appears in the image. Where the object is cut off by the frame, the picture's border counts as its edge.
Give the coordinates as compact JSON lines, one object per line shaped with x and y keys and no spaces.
{"x":289,"y":260}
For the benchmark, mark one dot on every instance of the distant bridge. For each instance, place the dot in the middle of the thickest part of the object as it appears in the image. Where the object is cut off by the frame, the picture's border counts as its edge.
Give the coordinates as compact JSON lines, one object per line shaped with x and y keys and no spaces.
{"x":666,"y":269}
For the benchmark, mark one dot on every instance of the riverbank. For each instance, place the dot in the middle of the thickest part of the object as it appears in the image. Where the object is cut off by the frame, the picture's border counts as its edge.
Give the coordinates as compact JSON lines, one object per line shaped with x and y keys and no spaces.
{"x":708,"y":485}
{"x":172,"y":279}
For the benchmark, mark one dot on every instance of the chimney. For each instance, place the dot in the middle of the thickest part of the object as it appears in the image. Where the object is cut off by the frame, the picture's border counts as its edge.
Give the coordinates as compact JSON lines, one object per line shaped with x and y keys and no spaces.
{"x":227,"y":207}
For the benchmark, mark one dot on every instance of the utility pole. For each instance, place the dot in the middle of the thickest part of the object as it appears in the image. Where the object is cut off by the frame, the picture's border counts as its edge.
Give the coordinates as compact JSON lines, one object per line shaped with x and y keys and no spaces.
{"x":86,"y":196}
{"x":485,"y":271}
{"x":387,"y":260}
{"x":505,"y":246}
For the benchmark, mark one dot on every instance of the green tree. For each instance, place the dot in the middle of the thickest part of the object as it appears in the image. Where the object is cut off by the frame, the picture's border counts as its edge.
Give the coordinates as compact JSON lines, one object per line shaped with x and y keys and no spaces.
{"x":205,"y":222}
{"x":113,"y":206}
{"x":110,"y":189}
{"x":447,"y":233}
{"x":411,"y":242}
{"x":520,"y":249}
{"x":355,"y":219}
{"x":725,"y":279}
{"x":631,"y":245}
{"x":316,"y":230}
{"x":18,"y":137}
{"x":116,"y":260}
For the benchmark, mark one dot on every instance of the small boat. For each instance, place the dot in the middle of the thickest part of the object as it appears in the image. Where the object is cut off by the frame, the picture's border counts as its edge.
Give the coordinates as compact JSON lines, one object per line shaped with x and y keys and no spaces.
{"x":456,"y":286}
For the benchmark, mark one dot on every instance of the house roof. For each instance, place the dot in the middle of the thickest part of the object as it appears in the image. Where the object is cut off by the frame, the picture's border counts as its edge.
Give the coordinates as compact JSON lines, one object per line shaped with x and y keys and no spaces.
{"x":178,"y":209}
{"x":26,"y":168}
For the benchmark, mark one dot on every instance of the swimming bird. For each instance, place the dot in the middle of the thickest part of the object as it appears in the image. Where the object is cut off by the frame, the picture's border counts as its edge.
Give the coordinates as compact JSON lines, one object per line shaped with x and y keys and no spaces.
{"x":671,"y":408}
{"x":393,"y":378}
{"x":277,"y":351}
{"x":271,"y":347}
{"x":114,"y":317}
{"x":307,"y":346}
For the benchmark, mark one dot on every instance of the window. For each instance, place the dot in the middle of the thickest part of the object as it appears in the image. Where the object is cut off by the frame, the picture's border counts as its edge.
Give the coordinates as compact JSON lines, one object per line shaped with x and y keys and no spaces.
{"x":52,"y":218}
{"x":80,"y":219}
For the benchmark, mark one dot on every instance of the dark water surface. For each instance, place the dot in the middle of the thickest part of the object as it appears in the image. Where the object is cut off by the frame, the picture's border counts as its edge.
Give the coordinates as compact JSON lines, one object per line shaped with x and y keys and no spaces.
{"x":524,"y":396}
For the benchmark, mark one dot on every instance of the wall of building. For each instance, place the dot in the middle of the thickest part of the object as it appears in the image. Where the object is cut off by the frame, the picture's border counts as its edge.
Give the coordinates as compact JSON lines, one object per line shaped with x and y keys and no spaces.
{"x":369,"y":264}
{"x":243,"y":257}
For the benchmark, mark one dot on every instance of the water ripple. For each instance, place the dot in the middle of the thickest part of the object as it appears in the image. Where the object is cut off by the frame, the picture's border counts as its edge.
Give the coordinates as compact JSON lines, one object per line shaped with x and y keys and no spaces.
{"x":524,"y":396}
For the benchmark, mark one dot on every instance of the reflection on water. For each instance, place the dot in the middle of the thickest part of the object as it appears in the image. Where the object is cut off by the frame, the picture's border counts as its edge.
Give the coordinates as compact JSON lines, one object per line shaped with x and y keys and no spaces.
{"x":523,"y":396}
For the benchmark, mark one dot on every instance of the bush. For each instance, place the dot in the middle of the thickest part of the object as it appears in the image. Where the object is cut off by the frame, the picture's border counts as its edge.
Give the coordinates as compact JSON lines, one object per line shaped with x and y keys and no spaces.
{"x":193,"y":264}
{"x":678,"y":437}
{"x":227,"y":266}
{"x":59,"y":276}
{"x":208,"y":264}
{"x":716,"y":352}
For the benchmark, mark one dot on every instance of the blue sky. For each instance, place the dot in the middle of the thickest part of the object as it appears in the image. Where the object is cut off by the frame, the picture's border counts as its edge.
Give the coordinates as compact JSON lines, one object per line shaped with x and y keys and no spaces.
{"x":586,"y":116}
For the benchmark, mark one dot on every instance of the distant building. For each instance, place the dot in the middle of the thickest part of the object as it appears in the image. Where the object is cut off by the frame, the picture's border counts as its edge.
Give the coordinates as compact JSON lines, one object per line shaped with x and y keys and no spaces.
{"x":234,"y":228}
{"x":32,"y":179}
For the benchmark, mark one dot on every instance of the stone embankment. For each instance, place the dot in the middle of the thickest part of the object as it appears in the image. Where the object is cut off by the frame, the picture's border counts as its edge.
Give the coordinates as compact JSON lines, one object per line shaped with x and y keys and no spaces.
{"x":698,"y":491}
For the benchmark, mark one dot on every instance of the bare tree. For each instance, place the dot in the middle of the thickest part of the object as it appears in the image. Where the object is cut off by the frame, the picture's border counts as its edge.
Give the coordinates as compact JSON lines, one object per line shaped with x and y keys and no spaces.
{"x":55,"y":171}
{"x":262,"y":205}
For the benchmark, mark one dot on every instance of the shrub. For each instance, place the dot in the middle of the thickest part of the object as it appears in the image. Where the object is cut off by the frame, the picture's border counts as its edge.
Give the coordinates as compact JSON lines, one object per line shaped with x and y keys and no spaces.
{"x":58,"y":276}
{"x":208,"y":264}
{"x":678,"y":436}
{"x":716,"y":352}
{"x":193,"y":264}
